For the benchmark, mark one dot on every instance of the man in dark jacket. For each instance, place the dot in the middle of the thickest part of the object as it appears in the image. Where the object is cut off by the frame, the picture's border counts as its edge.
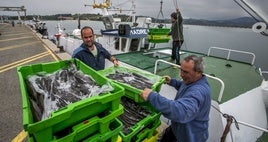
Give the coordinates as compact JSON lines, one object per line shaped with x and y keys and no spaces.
{"x":92,"y":53}
{"x":176,"y":33}
{"x":189,"y":111}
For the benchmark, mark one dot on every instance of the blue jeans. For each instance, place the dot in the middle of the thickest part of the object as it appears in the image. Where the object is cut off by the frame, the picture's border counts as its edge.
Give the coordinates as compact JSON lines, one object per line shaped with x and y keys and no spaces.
{"x":176,"y":46}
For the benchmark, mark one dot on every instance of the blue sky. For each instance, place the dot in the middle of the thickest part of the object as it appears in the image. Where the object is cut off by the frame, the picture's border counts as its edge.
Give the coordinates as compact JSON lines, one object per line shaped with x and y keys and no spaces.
{"x":200,"y":9}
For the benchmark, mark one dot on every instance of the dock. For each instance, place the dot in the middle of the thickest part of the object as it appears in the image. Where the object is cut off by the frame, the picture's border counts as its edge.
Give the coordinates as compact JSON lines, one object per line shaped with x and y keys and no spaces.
{"x":19,"y":45}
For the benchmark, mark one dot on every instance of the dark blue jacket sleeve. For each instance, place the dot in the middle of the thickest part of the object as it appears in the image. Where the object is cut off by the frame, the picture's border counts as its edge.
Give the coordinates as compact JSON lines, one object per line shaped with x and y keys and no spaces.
{"x":181,"y":110}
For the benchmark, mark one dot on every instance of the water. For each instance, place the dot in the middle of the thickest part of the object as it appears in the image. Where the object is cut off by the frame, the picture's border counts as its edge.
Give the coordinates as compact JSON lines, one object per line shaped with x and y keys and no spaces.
{"x":200,"y":38}
{"x":70,"y":25}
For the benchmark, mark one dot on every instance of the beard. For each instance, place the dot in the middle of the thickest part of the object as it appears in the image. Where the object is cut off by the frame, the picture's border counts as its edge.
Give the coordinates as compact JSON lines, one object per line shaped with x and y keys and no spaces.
{"x":89,"y":44}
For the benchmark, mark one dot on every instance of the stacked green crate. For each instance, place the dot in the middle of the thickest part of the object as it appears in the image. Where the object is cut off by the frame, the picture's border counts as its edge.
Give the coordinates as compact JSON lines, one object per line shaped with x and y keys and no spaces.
{"x":147,"y":126}
{"x":158,"y":35}
{"x":111,"y":136}
{"x":72,"y":117}
{"x":98,"y":128}
{"x":131,"y":91}
{"x":143,"y":129}
{"x":153,"y":138}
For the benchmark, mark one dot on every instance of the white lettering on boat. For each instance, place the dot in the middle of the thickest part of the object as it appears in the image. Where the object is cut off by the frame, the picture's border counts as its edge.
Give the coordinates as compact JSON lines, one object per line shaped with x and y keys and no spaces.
{"x":138,"y":31}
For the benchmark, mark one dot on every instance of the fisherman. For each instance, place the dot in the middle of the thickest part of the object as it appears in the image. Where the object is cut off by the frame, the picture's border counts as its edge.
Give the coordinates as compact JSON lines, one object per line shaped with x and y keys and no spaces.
{"x":92,"y":53}
{"x":44,"y":30}
{"x":189,"y":111}
{"x":176,"y":33}
{"x":13,"y":23}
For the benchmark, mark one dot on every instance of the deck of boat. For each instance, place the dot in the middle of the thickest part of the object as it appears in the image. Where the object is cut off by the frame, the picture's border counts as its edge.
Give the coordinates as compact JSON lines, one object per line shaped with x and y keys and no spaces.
{"x":238,"y":77}
{"x":19,"y":45}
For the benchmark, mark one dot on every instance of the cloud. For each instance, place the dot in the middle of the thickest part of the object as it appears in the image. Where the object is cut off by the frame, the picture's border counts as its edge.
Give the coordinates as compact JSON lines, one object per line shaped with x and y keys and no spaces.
{"x":200,"y":9}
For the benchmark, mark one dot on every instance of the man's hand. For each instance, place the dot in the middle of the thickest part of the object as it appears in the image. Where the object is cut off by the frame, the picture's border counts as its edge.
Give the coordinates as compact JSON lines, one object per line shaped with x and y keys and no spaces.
{"x":177,"y":10}
{"x":115,"y":61}
{"x":145,"y":93}
{"x":167,"y":78}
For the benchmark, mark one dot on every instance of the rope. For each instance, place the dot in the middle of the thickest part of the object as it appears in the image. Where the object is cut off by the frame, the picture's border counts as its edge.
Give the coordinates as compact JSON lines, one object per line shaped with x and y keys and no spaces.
{"x":230,"y":119}
{"x":175,"y":4}
{"x":160,"y":12}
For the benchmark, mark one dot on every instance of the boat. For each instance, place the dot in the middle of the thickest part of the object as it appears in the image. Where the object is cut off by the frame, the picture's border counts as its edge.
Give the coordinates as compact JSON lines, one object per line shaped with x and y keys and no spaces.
{"x":135,"y":36}
{"x":39,"y":26}
{"x":239,"y":88}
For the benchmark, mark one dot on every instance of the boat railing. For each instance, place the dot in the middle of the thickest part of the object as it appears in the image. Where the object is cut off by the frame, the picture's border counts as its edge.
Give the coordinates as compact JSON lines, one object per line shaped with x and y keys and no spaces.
{"x":252,"y":126}
{"x":264,"y":74}
{"x":231,"y":50}
{"x":248,"y":125}
{"x":209,"y":76}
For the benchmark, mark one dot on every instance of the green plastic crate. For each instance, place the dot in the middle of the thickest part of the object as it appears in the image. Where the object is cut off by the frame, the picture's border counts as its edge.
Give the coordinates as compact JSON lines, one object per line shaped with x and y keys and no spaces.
{"x":72,"y":114}
{"x":148,"y":133}
{"x":158,"y":35}
{"x":95,"y":128}
{"x":158,"y":31}
{"x":143,"y":128}
{"x":153,"y":138}
{"x":110,"y":136}
{"x":130,"y":91}
{"x":158,"y":38}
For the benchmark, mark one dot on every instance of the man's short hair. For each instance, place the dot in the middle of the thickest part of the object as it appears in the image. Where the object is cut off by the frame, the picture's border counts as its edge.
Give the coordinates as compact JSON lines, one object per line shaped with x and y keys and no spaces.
{"x":87,"y":27}
{"x":174,"y":15}
{"x":198,"y":62}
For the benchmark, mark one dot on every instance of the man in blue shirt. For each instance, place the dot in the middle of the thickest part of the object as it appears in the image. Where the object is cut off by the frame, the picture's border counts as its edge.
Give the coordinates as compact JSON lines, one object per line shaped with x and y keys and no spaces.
{"x":189,"y":111}
{"x":92,"y":53}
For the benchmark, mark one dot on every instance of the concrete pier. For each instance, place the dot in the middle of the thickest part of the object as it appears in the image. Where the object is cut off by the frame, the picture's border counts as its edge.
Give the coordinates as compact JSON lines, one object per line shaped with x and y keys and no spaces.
{"x":19,"y":45}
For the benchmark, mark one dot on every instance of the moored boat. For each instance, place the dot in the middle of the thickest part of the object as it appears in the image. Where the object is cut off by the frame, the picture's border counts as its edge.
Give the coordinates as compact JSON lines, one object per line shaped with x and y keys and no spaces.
{"x":239,"y":90}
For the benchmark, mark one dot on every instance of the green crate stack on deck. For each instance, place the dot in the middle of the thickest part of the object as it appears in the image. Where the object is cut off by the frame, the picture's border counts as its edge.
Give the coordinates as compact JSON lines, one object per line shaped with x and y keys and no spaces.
{"x":90,"y":119}
{"x":145,"y":128}
{"x":158,"y":35}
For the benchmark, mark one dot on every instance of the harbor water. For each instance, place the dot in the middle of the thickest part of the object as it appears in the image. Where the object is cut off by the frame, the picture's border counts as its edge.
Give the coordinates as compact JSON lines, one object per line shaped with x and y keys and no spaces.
{"x":200,"y":39}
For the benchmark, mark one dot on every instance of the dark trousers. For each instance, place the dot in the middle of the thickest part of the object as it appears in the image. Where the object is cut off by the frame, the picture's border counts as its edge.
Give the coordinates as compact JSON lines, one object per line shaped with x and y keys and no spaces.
{"x":168,"y":135}
{"x":176,"y":46}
